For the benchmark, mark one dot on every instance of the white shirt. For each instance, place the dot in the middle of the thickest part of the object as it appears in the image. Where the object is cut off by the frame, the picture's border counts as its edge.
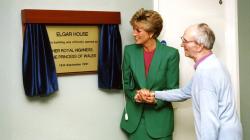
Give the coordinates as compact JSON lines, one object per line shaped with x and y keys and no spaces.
{"x":212,"y":101}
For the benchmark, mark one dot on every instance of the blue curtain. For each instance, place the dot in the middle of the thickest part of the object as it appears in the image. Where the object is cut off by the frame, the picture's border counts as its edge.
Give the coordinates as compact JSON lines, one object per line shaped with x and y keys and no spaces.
{"x":110,"y":57}
{"x":39,"y":73}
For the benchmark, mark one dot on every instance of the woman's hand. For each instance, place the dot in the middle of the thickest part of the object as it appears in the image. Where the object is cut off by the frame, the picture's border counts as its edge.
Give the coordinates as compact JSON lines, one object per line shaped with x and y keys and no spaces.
{"x":145,"y":96}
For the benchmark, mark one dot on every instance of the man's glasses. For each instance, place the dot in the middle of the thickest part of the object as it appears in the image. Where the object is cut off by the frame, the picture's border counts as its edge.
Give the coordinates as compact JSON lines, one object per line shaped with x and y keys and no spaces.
{"x":186,"y":41}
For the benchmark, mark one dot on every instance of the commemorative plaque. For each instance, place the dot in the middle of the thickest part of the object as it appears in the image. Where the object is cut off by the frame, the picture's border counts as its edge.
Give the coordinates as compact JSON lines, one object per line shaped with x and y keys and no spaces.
{"x":75,"y":48}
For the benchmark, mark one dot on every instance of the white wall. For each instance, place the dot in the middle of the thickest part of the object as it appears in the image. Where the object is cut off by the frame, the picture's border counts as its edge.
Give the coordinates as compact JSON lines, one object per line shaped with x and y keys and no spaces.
{"x":178,"y":15}
{"x":79,"y":111}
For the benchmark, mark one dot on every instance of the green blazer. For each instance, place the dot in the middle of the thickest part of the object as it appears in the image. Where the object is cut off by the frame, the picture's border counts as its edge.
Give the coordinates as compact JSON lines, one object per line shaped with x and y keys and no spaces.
{"x":163,"y":74}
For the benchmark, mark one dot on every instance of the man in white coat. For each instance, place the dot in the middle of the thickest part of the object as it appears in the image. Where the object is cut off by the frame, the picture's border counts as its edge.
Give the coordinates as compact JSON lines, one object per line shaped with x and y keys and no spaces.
{"x":210,"y":89}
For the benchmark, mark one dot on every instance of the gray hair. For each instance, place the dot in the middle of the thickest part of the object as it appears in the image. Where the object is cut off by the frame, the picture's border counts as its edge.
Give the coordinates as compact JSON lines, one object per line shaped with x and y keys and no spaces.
{"x":204,"y":35}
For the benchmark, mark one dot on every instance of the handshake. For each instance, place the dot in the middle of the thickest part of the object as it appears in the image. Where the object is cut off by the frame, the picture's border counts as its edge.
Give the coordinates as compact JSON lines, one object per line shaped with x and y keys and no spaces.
{"x":145,"y":96}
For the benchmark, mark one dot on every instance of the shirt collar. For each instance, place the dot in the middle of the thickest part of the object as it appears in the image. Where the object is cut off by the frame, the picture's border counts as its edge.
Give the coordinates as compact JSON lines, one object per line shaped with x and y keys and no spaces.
{"x":201,"y":59}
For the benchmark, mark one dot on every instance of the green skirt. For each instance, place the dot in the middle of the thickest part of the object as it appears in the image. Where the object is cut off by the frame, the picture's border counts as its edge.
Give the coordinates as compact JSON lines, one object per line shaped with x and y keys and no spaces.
{"x":142,"y":134}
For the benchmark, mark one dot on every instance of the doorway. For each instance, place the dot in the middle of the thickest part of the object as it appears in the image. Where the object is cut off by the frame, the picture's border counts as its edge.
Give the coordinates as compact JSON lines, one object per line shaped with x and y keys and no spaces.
{"x":222,"y":18}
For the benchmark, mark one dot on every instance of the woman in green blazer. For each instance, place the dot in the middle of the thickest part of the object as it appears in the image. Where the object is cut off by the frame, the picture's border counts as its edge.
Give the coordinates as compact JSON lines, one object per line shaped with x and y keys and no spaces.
{"x":148,"y":64}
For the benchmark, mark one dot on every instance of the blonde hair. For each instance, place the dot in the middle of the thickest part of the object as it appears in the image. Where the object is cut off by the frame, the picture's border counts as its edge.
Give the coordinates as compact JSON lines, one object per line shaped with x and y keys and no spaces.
{"x":151,"y":19}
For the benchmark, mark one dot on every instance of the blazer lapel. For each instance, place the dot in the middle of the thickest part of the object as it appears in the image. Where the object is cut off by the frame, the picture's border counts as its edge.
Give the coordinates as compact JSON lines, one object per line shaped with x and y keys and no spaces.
{"x":154,"y":66}
{"x":140,"y":68}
